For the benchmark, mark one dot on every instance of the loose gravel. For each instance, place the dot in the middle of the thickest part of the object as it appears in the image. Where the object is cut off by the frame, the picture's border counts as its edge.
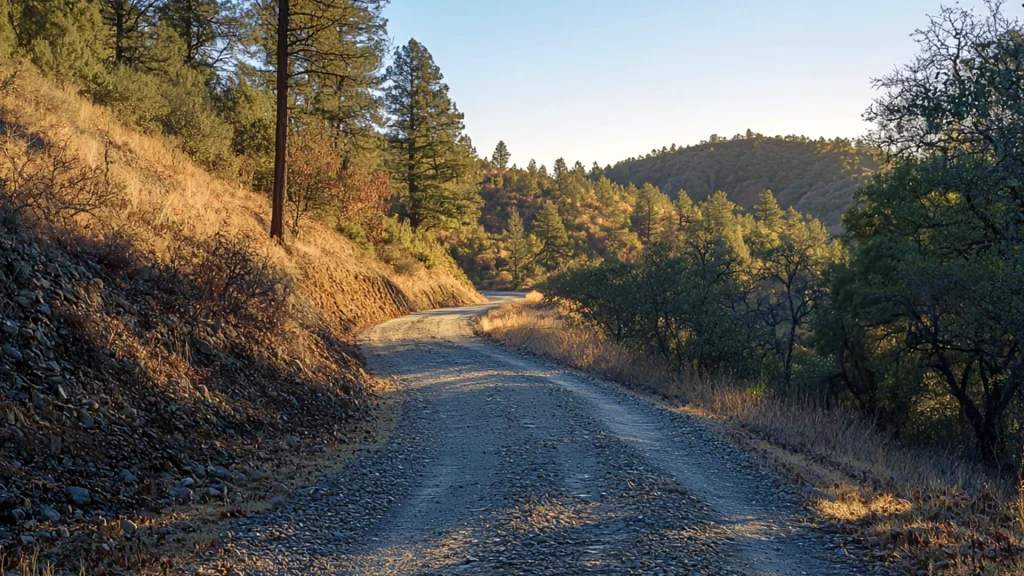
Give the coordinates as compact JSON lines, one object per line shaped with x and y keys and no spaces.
{"x":505,"y":464}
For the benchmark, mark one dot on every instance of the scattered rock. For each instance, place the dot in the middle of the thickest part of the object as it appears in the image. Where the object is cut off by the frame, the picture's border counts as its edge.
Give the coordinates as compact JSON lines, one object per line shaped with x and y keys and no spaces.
{"x":85,"y":419}
{"x":12,"y":353}
{"x":50,"y":514}
{"x":180,"y":494}
{"x":128,"y":527}
{"x":79,"y":496}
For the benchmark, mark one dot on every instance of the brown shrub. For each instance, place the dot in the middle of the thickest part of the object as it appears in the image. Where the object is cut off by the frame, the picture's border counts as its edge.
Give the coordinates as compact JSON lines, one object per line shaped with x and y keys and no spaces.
{"x":226,"y":279}
{"x":48,"y":182}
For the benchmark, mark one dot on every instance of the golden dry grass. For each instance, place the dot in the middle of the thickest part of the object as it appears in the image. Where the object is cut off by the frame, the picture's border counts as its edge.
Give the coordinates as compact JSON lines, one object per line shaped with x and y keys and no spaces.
{"x":166,"y":198}
{"x":165,"y":202}
{"x":917,"y":508}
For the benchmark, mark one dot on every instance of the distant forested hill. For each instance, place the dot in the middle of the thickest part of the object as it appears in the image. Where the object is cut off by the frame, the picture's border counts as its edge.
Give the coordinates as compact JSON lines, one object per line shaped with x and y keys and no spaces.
{"x":817,"y":177}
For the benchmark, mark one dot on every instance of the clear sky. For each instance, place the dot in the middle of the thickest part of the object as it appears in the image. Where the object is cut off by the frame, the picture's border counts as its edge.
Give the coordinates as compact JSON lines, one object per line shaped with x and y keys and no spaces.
{"x":608,"y":79}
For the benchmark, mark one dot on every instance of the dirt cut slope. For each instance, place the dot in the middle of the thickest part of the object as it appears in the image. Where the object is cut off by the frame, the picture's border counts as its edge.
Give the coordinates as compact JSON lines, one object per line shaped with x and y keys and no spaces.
{"x":156,"y":348}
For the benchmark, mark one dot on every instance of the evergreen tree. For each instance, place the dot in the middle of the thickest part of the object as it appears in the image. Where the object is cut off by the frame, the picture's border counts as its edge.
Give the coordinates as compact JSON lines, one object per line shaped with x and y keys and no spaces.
{"x":552,"y":236}
{"x":517,"y":247}
{"x":531,"y":168}
{"x":209,"y":29}
{"x":768,"y":212}
{"x":685,"y":211}
{"x":501,"y":156}
{"x":560,"y":168}
{"x":651,"y":213}
{"x":424,"y":130}
{"x":65,"y":38}
{"x":128,"y":21}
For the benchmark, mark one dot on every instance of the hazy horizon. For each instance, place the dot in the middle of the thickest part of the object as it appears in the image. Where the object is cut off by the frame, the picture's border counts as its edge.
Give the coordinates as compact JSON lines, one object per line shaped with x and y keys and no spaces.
{"x":603,"y":81}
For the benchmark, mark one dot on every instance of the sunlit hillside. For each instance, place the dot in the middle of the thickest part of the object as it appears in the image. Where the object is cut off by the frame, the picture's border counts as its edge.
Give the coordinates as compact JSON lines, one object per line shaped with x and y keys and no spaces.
{"x":817,"y":177}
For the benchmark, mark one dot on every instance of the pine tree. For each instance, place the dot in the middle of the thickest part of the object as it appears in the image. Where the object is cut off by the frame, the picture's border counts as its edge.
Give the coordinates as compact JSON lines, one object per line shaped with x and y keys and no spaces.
{"x":128,"y":21}
{"x":552,"y":236}
{"x":424,"y":133}
{"x":651,"y":213}
{"x":501,"y":156}
{"x":531,"y":168}
{"x":685,"y":210}
{"x":517,"y":247}
{"x":768,"y":212}
{"x":560,"y":168}
{"x":210,"y":29}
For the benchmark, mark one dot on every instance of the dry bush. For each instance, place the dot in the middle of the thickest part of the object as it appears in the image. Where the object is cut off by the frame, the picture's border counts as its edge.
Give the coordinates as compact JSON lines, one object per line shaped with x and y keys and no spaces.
{"x":918,"y":507}
{"x":225,"y":278}
{"x":48,"y":182}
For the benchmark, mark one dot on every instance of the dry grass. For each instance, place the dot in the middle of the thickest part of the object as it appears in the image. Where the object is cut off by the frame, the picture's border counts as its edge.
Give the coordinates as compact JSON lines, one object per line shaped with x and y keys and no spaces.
{"x":228,"y":403}
{"x":165,"y":199}
{"x":916,"y":508}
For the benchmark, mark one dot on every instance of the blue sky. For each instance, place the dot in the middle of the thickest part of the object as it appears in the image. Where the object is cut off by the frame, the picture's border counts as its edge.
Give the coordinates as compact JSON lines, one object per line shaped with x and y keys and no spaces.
{"x":607,"y":79}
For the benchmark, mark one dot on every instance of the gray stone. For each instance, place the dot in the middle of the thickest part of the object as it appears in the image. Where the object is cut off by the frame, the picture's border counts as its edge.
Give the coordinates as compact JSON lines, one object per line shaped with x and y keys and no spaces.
{"x":12,"y":353}
{"x":127,"y":526}
{"x":219,"y":472}
{"x":180,"y":494}
{"x":50,"y":514}
{"x":79,"y":496}
{"x":85,"y":419}
{"x":127,"y":477}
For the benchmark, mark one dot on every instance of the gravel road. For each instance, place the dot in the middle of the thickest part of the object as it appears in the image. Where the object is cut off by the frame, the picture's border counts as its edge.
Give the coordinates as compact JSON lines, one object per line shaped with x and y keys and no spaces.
{"x":505,"y":464}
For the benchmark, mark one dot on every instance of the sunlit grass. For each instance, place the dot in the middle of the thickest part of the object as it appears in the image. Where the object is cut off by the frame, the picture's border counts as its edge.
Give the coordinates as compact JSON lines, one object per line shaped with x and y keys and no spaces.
{"x":917,"y":506}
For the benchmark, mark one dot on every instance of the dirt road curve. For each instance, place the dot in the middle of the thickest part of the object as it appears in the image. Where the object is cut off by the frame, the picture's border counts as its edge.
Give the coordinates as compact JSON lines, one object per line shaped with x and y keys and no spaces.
{"x":504,"y":464}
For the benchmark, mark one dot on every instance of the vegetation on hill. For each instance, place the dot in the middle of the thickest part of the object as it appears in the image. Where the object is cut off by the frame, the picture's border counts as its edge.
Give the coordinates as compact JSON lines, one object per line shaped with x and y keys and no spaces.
{"x":152,"y":332}
{"x":914,"y":318}
{"x":911,"y":322}
{"x":817,"y":177}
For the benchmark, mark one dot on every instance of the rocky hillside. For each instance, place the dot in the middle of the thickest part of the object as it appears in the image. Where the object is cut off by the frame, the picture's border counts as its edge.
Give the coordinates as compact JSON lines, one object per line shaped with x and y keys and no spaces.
{"x":157,"y":352}
{"x":816,"y":177}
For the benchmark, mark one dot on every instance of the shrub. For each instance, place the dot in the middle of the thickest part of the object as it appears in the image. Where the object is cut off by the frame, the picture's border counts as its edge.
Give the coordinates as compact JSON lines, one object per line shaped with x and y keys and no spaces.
{"x":46,"y":181}
{"x":227,"y":280}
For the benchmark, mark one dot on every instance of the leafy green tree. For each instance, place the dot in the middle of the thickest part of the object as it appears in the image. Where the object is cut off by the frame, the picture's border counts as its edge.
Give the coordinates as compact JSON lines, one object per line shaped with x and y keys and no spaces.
{"x":936,"y":277}
{"x":424,"y":129}
{"x":791,"y":272}
{"x":652,"y":214}
{"x":560,"y":169}
{"x":63,"y":37}
{"x":767,"y":211}
{"x":501,"y":156}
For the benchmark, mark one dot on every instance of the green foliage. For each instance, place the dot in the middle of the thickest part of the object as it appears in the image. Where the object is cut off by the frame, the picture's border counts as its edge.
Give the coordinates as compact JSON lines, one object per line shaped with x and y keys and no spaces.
{"x":409,"y":249}
{"x":62,"y":37}
{"x":430,"y":159}
{"x":931,"y":304}
{"x":817,"y":177}
{"x":702,"y":299}
{"x":518,"y":250}
{"x":8,"y":41}
{"x":501,"y":156}
{"x":552,"y":239}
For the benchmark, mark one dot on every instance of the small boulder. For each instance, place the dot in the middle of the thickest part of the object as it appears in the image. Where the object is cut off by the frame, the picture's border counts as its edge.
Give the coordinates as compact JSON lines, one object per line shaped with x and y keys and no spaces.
{"x":128,"y":527}
{"x":79,"y":496}
{"x":50,"y":514}
{"x":85,"y":419}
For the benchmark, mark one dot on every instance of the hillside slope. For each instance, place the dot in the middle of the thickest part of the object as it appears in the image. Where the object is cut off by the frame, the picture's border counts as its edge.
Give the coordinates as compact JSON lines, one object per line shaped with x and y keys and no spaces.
{"x":816,"y":177}
{"x":156,"y":346}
